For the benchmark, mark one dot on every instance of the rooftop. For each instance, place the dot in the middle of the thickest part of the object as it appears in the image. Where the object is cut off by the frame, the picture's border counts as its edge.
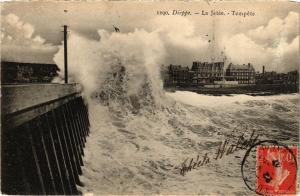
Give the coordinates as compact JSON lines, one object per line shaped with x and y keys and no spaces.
{"x":237,"y":66}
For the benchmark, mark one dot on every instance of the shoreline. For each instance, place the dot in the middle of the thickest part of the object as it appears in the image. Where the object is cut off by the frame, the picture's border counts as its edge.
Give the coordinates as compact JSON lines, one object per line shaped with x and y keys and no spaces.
{"x":254,"y":90}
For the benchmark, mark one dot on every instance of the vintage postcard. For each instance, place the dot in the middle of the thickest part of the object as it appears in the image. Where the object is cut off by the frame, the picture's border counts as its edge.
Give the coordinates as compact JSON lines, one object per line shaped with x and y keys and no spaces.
{"x":149,"y":98}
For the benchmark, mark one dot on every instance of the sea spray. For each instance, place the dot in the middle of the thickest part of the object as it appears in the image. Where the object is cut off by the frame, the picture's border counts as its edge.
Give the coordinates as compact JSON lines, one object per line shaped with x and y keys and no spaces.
{"x":141,"y":52}
{"x":118,"y":66}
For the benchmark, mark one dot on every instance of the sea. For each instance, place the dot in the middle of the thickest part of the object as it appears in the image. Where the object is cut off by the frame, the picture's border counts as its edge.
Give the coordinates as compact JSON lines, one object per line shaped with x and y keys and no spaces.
{"x":142,"y":152}
{"x":141,"y":135}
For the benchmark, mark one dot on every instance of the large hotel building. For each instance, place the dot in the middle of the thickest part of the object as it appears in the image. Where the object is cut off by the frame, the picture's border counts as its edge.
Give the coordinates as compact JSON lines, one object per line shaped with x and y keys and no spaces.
{"x":244,"y":74}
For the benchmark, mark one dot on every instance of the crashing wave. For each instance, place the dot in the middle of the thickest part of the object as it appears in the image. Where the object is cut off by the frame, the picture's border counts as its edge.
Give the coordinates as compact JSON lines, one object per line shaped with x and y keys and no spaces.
{"x":114,"y":93}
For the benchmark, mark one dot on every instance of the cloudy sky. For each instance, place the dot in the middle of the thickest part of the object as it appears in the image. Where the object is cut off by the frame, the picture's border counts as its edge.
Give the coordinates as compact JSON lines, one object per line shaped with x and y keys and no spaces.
{"x":31,"y":32}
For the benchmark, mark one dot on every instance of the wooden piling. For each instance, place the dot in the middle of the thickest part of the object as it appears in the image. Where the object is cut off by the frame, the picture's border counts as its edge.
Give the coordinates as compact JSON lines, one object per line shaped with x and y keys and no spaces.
{"x":71,"y":135}
{"x":42,"y":157}
{"x":80,"y":120}
{"x":36,"y":162}
{"x":50,"y":143}
{"x":76,"y":130}
{"x":65,"y":149}
{"x":66,"y":176}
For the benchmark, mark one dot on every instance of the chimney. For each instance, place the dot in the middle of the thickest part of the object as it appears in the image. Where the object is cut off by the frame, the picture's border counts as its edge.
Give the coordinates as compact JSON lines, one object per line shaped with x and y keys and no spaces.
{"x":263,"y":71}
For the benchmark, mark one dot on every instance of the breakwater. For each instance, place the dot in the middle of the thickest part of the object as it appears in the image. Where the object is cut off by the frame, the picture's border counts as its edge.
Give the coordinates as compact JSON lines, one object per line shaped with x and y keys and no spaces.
{"x":44,"y":130}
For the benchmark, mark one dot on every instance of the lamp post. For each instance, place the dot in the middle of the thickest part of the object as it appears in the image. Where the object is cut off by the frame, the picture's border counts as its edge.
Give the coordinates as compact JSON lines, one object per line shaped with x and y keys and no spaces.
{"x":66,"y":53}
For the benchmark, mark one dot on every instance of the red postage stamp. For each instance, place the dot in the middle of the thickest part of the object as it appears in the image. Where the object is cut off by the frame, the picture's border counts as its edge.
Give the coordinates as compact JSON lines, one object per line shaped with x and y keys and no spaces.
{"x":276,"y":170}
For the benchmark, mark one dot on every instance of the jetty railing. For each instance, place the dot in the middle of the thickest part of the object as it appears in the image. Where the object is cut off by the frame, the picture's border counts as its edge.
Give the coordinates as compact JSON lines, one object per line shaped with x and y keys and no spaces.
{"x":44,"y":130}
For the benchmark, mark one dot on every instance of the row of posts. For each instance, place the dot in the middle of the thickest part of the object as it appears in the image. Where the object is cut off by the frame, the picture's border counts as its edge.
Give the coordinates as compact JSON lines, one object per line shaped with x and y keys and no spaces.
{"x":44,"y":155}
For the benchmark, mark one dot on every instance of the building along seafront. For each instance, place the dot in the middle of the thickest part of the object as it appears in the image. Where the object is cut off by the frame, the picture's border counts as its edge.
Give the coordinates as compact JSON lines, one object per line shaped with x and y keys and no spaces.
{"x":207,"y":73}
{"x":244,"y":74}
{"x":211,"y":79}
{"x":177,"y":75}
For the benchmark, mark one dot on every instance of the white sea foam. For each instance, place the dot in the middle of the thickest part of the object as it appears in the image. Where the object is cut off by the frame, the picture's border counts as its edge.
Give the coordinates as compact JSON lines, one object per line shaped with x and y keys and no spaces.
{"x":136,"y":154}
{"x":195,"y":99}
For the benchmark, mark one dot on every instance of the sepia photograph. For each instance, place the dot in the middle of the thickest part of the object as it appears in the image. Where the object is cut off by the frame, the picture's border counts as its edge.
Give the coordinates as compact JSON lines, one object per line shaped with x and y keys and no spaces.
{"x":150,"y":97}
